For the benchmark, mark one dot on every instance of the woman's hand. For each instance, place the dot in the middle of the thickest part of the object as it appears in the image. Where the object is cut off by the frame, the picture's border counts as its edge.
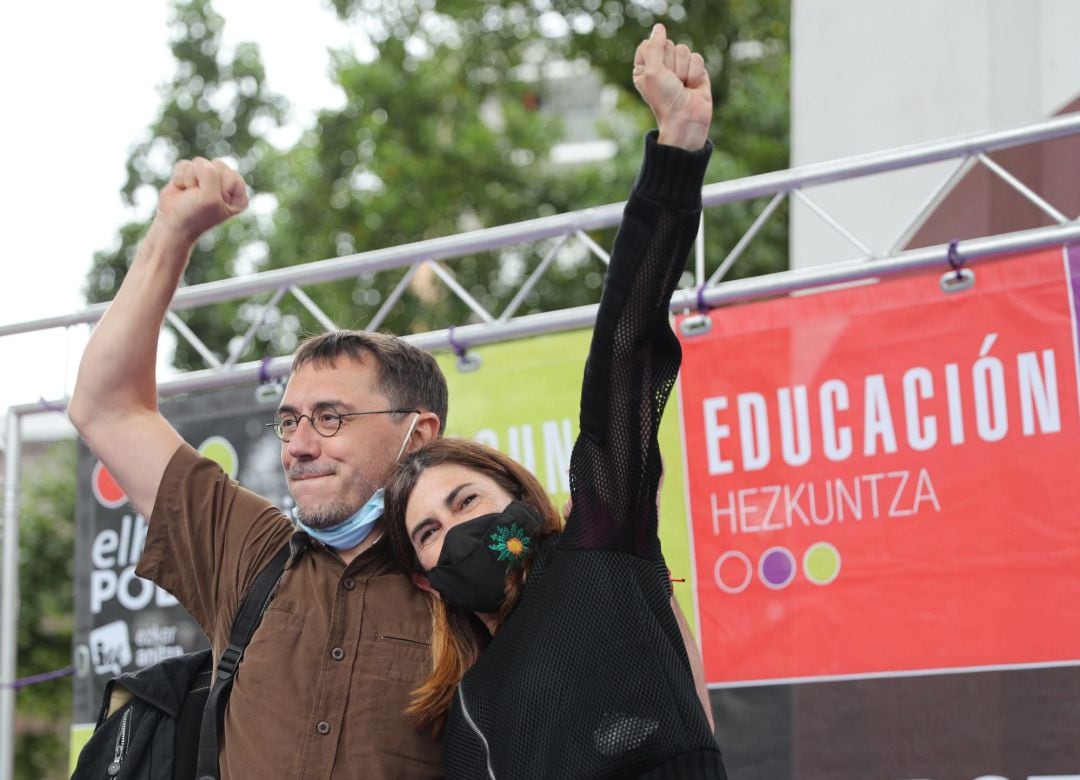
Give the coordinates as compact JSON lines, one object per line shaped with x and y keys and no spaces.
{"x":675,"y":84}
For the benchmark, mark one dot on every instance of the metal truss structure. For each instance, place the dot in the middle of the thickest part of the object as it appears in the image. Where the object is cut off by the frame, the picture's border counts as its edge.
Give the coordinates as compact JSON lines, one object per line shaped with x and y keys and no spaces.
{"x":549,"y":236}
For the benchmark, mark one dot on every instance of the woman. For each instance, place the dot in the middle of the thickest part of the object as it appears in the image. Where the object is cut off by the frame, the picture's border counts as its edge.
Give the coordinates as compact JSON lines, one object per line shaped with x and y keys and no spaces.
{"x":556,"y":652}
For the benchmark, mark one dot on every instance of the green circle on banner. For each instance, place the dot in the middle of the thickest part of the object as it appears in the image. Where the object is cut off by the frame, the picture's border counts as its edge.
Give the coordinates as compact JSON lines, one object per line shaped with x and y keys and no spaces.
{"x":821,"y":563}
{"x":220,"y":450}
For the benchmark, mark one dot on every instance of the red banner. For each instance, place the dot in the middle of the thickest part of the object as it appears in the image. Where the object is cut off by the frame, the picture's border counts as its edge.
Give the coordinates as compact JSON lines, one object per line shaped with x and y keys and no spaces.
{"x":883,"y":479}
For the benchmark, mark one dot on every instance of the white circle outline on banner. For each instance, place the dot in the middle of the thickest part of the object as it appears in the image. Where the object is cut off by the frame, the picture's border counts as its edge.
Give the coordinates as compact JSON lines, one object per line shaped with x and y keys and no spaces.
{"x":806,"y":565}
{"x":761,"y":568}
{"x":720,"y":562}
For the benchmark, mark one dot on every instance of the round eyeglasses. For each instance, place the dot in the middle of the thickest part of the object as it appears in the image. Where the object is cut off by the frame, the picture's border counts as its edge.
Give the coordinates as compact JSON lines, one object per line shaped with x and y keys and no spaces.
{"x":325,"y":420}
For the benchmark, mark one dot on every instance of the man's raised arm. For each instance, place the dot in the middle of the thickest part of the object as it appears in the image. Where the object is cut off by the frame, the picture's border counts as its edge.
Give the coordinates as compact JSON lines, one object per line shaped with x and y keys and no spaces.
{"x":115,"y":405}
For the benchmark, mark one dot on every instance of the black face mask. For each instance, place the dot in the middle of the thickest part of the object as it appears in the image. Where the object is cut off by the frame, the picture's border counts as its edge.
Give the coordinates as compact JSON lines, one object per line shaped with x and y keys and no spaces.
{"x":471,"y":572}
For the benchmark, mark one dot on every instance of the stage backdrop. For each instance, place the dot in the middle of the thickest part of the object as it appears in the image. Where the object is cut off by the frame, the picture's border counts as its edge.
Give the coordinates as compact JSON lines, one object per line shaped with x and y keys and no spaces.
{"x":883,"y":489}
{"x":882,"y":553}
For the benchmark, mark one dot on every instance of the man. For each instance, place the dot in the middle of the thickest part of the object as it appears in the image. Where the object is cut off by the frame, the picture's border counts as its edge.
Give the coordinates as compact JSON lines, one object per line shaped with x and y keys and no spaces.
{"x":324,"y":683}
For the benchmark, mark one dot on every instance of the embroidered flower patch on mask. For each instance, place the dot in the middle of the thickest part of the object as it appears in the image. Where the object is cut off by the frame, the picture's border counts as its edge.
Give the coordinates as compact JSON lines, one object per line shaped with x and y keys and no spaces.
{"x":511,"y":543}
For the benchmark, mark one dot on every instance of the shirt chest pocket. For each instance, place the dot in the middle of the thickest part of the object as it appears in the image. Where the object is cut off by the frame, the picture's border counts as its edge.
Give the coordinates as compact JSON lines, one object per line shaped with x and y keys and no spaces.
{"x":280,"y":635}
{"x":266,"y":676}
{"x":278,"y":619}
{"x":397,"y":629}
{"x":408,"y":658}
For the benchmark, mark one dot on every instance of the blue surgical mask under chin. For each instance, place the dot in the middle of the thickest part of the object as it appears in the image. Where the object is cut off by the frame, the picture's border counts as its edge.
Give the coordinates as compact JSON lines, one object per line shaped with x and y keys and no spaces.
{"x":351,"y":532}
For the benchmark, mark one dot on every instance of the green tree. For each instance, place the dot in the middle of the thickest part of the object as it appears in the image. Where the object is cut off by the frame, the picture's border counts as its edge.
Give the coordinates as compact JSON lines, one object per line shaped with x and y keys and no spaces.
{"x":386,"y":169}
{"x":746,"y":46}
{"x":445,"y":128}
{"x":46,"y":549}
{"x":217,"y":105}
{"x":427,"y":146}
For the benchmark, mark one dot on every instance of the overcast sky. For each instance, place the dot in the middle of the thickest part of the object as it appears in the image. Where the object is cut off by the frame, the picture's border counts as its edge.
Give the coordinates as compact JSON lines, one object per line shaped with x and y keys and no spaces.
{"x":79,"y":84}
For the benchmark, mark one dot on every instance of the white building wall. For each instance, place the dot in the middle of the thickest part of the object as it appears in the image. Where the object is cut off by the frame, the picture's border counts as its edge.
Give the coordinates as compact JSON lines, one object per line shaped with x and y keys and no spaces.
{"x":869,"y":75}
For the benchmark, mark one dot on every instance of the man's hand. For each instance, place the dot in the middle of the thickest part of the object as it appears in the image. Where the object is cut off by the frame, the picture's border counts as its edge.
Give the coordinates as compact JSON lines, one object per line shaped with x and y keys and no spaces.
{"x":200,"y":195}
{"x":675,"y":84}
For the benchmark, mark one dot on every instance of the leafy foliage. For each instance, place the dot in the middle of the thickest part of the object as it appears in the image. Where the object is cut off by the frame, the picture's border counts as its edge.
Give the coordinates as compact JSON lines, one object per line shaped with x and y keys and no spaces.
{"x":427,"y":147}
{"x":47,"y":551}
{"x":216,"y":105}
{"x":746,"y":46}
{"x":445,"y":128}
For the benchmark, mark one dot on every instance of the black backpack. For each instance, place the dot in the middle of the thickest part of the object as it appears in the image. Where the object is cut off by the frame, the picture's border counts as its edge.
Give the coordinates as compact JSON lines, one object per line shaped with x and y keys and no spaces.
{"x":168,"y":725}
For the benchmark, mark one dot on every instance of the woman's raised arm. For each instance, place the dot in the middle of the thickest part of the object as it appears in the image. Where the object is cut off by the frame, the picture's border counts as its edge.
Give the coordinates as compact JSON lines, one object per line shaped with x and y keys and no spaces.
{"x":634,"y":356}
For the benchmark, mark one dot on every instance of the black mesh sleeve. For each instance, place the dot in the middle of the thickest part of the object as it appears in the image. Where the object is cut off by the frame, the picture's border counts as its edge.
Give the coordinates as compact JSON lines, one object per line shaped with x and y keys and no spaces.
{"x":634,"y":359}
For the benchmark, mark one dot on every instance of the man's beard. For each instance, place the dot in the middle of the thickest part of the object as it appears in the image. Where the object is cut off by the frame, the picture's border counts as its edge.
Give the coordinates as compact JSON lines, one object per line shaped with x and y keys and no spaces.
{"x":329,"y":514}
{"x":325,"y":516}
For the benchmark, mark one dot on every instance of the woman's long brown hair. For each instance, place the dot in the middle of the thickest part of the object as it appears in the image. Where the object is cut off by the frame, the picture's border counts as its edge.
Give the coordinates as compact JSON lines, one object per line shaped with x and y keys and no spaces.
{"x":458,"y":636}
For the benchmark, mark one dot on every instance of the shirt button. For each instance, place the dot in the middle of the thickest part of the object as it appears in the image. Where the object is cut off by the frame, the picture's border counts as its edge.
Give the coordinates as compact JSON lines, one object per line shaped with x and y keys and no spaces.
{"x":337,"y":653}
{"x":348,"y":584}
{"x":323,"y":727}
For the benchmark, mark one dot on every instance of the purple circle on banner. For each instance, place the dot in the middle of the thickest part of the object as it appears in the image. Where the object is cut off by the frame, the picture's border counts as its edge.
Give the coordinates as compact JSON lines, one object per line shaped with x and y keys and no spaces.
{"x":777,"y":567}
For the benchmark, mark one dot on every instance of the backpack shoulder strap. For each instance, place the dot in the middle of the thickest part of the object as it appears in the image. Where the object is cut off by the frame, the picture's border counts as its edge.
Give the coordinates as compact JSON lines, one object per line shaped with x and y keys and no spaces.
{"x":247,"y":620}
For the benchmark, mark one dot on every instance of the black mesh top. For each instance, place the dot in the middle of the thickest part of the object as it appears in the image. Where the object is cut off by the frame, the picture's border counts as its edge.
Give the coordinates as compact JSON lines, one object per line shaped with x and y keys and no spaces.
{"x":589,"y":676}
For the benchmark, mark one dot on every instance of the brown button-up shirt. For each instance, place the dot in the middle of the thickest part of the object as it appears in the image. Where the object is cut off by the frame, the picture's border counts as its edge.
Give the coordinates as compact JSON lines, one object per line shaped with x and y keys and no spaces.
{"x":323,"y":685}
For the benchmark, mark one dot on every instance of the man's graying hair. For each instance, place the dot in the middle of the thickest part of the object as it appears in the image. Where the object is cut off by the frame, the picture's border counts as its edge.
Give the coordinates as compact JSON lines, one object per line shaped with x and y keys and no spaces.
{"x":407,"y":375}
